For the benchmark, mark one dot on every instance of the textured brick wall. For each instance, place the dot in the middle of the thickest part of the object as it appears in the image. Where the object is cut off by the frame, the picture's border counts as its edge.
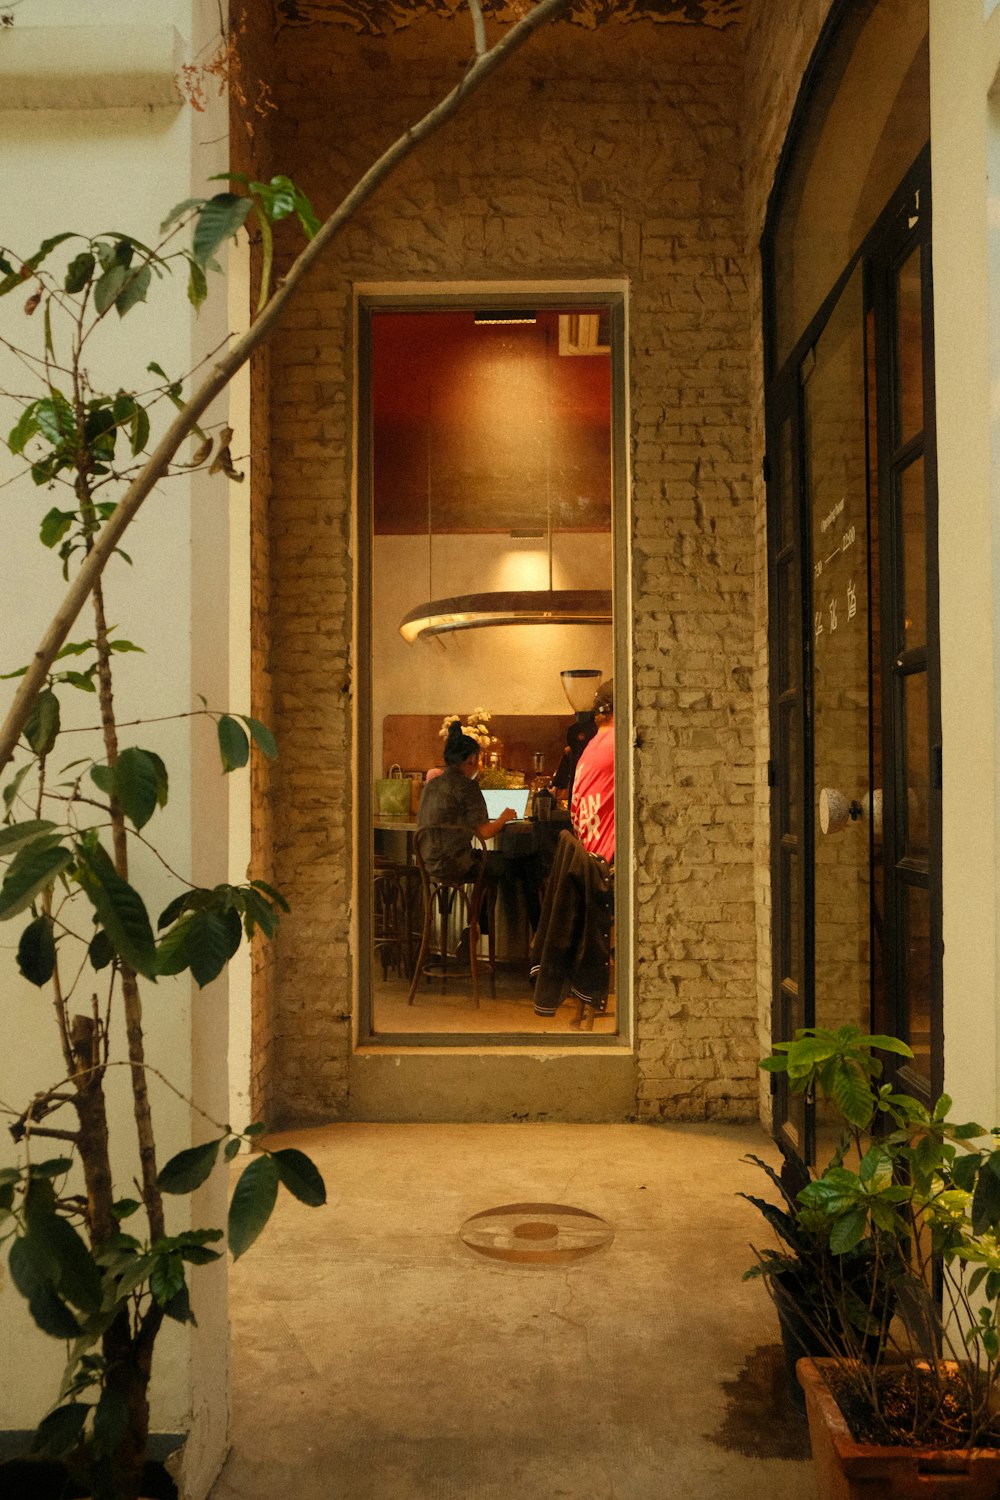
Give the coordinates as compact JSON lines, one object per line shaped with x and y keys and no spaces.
{"x":778,"y":43}
{"x":594,"y":154}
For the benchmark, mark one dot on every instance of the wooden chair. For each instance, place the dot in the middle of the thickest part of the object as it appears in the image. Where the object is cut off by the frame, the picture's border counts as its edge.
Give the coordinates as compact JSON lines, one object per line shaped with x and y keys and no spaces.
{"x":398,"y":918}
{"x":441,"y":900}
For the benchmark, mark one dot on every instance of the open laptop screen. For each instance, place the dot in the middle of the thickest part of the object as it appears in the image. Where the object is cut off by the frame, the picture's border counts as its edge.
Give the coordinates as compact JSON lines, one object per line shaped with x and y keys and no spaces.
{"x":515,"y":797}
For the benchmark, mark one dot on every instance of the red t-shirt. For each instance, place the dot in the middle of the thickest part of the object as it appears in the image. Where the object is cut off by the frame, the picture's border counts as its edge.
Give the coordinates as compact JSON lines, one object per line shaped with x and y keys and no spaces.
{"x":593,"y":807}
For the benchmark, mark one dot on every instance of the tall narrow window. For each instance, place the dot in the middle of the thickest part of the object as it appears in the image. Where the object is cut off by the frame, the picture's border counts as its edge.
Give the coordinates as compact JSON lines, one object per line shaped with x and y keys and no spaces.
{"x":490,"y":476}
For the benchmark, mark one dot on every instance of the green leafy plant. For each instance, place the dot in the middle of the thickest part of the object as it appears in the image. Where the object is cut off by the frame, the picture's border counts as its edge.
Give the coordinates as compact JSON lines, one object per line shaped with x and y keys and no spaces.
{"x":906,"y":1191}
{"x":99,"y":1268}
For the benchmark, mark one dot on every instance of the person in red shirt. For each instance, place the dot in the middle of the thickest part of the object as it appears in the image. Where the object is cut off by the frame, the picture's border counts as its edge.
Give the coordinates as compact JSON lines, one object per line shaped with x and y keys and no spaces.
{"x":592,"y":809}
{"x":572,"y":942}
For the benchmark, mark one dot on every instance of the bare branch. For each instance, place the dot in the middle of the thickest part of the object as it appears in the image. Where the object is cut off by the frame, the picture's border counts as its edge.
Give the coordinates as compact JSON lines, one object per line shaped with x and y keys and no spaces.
{"x":478,"y":27}
{"x":237,"y":356}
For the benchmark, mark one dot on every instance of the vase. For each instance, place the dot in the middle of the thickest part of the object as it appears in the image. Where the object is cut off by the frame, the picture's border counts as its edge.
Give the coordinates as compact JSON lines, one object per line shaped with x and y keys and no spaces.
{"x":849,"y":1470}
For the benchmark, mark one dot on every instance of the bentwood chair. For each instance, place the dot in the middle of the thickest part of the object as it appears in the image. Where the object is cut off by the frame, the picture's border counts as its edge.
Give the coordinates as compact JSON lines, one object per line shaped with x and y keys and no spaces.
{"x":449,"y":904}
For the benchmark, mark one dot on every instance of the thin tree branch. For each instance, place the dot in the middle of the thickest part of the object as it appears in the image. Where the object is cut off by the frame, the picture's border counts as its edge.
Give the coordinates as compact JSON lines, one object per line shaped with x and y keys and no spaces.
{"x":478,"y":27}
{"x":223,"y":372}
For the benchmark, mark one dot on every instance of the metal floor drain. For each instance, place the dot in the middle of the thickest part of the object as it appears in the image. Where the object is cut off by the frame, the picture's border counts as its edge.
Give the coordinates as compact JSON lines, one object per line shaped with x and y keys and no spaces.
{"x":536,"y":1233}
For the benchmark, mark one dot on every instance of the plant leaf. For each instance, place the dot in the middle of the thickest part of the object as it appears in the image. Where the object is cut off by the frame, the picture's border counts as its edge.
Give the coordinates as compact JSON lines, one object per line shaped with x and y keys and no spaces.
{"x":79,"y":271}
{"x":32,"y":870}
{"x":197,"y":289}
{"x":120,"y":909}
{"x":252,"y":1203}
{"x":55,"y":526}
{"x":36,"y":951}
{"x":100,"y":950}
{"x":986,"y":1199}
{"x":210,"y":944}
{"x":109,"y":286}
{"x":138,"y":781}
{"x":261,"y":736}
{"x":848,"y":1230}
{"x":218,"y":220}
{"x":166,"y":1277}
{"x":51,"y":1314}
{"x":18,"y":834}
{"x":172,"y":955}
{"x":41,"y":728}
{"x":134,"y":290}
{"x":77,"y":1278}
{"x":852,"y":1095}
{"x":300,"y":1176}
{"x":234,"y":747}
{"x":271,"y":893}
{"x":189,"y":1168}
{"x":104,"y":779}
{"x":57,"y":1433}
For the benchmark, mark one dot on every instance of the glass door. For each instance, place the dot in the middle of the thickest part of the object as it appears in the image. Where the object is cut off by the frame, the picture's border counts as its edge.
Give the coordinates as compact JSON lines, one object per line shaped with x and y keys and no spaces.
{"x":855,"y":731}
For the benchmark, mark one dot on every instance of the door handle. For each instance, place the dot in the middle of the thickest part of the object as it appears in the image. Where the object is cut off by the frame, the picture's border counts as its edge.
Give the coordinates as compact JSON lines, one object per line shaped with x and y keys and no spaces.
{"x":835,"y":811}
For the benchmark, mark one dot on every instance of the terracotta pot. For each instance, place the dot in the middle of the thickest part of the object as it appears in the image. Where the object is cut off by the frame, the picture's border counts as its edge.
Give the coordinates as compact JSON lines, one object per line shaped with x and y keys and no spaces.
{"x":848,"y":1470}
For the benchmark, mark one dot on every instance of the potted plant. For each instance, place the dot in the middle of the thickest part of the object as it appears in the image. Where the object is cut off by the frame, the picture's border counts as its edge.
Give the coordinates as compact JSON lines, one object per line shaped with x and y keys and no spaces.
{"x":801,"y":1274}
{"x":895,"y":1243}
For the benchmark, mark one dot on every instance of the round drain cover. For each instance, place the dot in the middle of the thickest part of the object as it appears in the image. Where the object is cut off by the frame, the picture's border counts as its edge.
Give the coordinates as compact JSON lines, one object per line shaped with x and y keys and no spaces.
{"x":536,"y":1233}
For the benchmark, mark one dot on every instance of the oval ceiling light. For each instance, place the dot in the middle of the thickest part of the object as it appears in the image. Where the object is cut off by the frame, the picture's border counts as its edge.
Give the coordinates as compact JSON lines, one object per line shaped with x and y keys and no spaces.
{"x":513,"y":607}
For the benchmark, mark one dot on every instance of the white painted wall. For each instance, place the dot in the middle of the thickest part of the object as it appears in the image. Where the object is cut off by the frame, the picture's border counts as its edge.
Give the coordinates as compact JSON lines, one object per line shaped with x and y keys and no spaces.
{"x":93,"y":169}
{"x":965,"y":167}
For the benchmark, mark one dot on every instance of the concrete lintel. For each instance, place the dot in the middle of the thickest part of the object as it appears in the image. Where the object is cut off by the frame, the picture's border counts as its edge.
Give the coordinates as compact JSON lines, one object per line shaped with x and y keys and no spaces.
{"x":89,"y":67}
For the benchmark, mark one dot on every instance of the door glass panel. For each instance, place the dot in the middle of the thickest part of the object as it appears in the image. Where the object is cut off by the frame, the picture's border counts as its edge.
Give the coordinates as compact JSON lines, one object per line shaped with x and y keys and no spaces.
{"x":916,"y":771}
{"x":909,"y":348}
{"x":916,"y":931}
{"x":791,"y":867}
{"x":838,"y":503}
{"x":867,"y":119}
{"x":913,"y":531}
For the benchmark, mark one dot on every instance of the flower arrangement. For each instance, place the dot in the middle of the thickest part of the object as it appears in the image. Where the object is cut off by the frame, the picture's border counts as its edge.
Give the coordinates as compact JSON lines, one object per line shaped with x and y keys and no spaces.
{"x":476,"y":726}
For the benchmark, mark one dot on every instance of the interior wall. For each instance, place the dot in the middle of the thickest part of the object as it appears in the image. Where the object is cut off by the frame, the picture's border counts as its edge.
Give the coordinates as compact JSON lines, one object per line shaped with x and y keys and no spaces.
{"x":504,"y":669}
{"x":596,"y":155}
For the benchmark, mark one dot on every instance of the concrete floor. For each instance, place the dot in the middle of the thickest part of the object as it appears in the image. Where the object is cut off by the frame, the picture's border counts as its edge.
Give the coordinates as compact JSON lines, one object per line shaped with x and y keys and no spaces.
{"x":377,"y":1357}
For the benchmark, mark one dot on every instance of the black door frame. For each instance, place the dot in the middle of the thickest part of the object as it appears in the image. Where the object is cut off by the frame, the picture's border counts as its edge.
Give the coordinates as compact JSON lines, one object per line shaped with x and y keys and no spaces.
{"x":890,"y":239}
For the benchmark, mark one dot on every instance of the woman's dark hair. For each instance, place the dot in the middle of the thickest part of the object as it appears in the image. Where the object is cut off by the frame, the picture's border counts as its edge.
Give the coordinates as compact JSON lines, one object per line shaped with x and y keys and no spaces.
{"x":458,"y":746}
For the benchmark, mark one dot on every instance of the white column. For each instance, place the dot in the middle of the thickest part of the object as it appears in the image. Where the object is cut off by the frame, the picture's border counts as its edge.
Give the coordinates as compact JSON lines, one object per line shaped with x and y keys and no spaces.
{"x":965,"y":167}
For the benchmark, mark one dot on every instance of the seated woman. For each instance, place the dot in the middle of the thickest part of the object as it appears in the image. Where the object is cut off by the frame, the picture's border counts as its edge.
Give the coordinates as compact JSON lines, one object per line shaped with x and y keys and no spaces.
{"x":454,"y":798}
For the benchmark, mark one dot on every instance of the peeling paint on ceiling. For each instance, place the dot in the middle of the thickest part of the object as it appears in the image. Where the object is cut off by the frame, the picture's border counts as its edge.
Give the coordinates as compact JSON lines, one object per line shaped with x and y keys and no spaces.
{"x":379,"y":17}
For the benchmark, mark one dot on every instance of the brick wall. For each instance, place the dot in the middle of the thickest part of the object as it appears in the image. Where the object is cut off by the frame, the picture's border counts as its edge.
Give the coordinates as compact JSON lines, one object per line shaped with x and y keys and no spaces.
{"x":612,"y":153}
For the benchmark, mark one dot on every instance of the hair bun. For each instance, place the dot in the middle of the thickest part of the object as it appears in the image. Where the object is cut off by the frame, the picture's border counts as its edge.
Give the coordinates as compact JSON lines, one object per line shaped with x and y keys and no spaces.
{"x":455,"y":729}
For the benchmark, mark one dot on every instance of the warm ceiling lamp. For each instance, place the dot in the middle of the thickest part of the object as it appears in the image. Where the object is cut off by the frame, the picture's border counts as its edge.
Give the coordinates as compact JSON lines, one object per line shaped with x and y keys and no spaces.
{"x":503,"y":315}
{"x":512,"y":607}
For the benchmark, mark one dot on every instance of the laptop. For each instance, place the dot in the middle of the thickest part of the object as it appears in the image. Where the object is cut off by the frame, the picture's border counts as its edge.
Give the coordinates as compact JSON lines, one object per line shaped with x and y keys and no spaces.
{"x":515,"y":797}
